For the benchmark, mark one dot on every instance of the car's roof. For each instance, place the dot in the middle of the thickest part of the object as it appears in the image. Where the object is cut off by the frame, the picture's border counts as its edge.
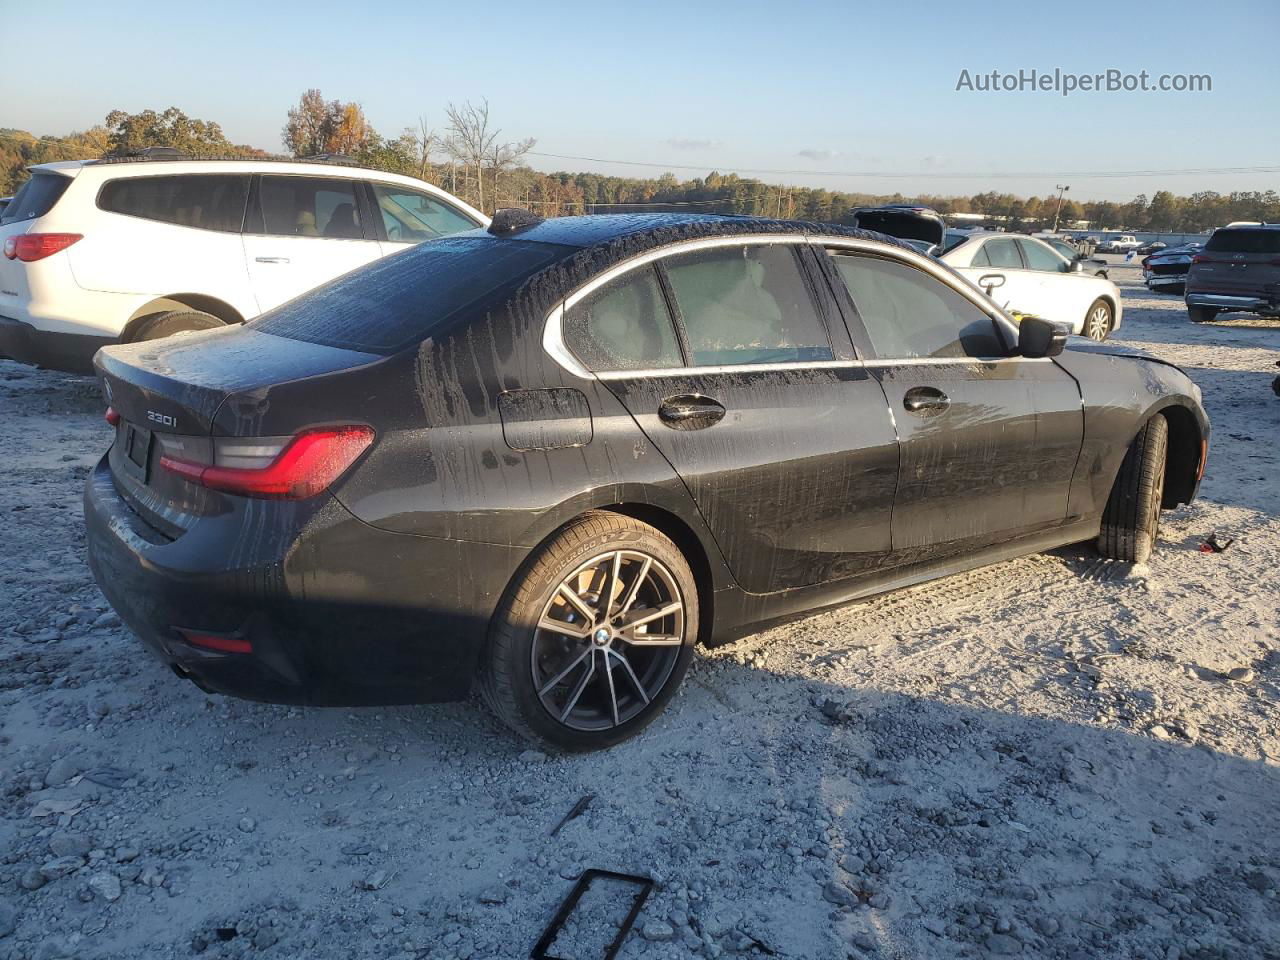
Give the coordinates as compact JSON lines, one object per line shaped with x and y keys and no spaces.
{"x":142,"y":167}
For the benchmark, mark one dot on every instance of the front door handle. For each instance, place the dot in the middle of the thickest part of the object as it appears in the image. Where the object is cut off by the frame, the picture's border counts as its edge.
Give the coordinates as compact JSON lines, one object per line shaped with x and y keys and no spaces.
{"x":925,"y":400}
{"x":271,"y":259}
{"x":690,"y":411}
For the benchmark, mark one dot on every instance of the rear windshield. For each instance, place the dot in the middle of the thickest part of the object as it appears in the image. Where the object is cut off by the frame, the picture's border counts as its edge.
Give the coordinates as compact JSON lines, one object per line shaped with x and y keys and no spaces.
{"x":405,"y":298}
{"x":36,"y":197}
{"x":1245,"y":240}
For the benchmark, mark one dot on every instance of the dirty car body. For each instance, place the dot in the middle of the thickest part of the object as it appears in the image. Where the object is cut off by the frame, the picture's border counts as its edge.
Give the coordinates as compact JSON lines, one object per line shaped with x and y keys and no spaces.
{"x":494,"y":389}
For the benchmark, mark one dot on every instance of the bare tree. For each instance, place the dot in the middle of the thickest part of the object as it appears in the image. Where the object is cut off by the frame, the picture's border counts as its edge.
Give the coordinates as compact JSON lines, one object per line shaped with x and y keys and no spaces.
{"x":472,"y":143}
{"x":426,"y":142}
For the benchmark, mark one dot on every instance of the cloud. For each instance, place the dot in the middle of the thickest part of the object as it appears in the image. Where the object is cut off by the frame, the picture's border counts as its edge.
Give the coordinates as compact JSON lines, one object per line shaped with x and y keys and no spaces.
{"x":818,"y":154}
{"x":684,"y":143}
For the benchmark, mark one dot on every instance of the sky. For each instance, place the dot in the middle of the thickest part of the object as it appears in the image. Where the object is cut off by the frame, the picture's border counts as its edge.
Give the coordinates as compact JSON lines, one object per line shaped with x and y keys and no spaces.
{"x":847,"y":95}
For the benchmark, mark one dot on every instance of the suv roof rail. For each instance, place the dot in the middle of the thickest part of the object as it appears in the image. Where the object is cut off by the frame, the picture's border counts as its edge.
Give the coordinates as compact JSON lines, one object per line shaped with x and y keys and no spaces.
{"x":340,"y":158}
{"x":335,"y":159}
{"x":160,"y":153}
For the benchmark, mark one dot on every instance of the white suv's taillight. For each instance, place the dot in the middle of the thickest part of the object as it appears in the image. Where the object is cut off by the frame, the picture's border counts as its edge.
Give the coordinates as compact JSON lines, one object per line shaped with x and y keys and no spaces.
{"x":30,"y":247}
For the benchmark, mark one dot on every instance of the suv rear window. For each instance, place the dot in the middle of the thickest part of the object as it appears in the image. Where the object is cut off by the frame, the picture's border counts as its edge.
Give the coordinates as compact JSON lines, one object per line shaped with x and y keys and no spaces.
{"x":401,"y":300}
{"x":1245,"y":240}
{"x":206,"y":201}
{"x":36,"y":197}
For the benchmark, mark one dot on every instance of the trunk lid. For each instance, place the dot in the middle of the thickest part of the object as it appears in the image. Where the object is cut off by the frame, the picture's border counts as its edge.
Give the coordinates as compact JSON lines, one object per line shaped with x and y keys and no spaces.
{"x":167,"y":394}
{"x":903,"y":222}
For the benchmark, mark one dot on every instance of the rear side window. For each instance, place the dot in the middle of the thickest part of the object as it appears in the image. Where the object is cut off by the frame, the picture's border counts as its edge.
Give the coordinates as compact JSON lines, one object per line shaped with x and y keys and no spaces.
{"x":625,"y":325}
{"x":36,"y":197}
{"x":908,"y":313}
{"x":747,"y":304}
{"x":1245,"y":240}
{"x":1040,"y":257}
{"x":401,"y":300}
{"x":310,"y":207}
{"x":412,"y":216}
{"x":1002,"y":253}
{"x":206,"y":201}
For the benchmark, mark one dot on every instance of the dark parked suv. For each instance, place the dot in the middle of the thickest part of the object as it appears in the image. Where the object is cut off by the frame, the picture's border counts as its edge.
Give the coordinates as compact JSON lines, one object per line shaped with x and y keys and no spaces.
{"x":1239,"y":270}
{"x":549,"y":458}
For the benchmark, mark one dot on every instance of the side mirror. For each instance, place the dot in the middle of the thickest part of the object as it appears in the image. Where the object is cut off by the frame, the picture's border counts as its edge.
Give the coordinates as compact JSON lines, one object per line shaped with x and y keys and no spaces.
{"x":1075,"y":266}
{"x":1037,"y":337}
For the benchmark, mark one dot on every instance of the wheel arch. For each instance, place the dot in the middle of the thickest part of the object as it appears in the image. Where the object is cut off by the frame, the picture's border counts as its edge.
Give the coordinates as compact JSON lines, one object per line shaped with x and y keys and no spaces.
{"x":181,"y":301}
{"x":1182,"y":466}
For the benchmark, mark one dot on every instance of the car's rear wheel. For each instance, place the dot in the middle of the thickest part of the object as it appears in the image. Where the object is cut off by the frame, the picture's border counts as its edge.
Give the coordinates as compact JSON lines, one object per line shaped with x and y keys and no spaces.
{"x":1097,"y":321}
{"x":160,"y":325}
{"x":594,"y":636}
{"x":1202,"y":314}
{"x":1132,"y":517}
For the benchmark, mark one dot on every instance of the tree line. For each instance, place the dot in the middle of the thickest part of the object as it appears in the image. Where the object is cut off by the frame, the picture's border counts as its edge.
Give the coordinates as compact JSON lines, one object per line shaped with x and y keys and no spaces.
{"x":469,"y":156}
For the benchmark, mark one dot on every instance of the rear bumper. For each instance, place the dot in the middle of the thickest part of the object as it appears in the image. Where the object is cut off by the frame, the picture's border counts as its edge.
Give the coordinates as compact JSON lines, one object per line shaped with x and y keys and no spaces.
{"x":1159,"y":281}
{"x":1232,"y":302}
{"x":337,"y":612}
{"x":71,"y":352}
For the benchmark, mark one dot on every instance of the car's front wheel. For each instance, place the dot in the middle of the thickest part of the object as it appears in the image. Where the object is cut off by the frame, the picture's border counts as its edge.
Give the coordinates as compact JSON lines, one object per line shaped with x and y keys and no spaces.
{"x":1097,"y":321}
{"x":1202,"y":314}
{"x":1132,"y":516}
{"x":594,"y":636}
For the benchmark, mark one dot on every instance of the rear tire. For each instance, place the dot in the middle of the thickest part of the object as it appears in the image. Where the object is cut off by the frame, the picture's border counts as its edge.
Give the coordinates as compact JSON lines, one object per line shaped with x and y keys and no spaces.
{"x":1132,"y":517}
{"x":1202,"y":314}
{"x":160,"y":325}
{"x":592,"y":683}
{"x":1098,"y":320}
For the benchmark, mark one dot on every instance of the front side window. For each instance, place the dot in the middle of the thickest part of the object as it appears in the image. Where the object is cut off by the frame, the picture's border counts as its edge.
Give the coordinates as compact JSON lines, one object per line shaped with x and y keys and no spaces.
{"x":747,"y":304}
{"x":1040,"y":257}
{"x":1003,"y":252}
{"x":908,"y":313}
{"x":206,"y":201}
{"x":625,"y":325}
{"x":310,"y":207}
{"x":411,"y":216}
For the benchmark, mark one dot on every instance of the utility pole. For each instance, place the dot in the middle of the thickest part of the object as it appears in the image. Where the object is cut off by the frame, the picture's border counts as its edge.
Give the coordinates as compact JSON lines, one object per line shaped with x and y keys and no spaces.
{"x":1061,"y":190}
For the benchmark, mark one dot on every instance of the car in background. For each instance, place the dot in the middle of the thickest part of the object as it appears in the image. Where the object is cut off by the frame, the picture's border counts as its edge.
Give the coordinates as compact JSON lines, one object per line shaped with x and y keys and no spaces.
{"x":546,"y":460}
{"x":1154,"y":246}
{"x":1094,"y":265}
{"x":1237,"y":271}
{"x":1166,"y":270}
{"x":1122,"y":243}
{"x":109,"y":251}
{"x":1030,"y":276}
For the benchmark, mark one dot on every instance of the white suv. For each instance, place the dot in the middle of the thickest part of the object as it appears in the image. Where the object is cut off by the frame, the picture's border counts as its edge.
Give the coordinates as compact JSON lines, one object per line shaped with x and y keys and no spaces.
{"x":113,"y":251}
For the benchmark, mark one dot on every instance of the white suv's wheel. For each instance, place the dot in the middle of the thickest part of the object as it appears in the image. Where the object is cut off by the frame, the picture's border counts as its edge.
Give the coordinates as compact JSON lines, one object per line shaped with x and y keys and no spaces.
{"x":160,"y":325}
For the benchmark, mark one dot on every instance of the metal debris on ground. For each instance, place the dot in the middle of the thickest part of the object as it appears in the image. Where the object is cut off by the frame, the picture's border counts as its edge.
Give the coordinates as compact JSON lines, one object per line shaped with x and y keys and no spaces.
{"x":644,"y":886}
{"x":1216,"y":543}
{"x":578,"y":810}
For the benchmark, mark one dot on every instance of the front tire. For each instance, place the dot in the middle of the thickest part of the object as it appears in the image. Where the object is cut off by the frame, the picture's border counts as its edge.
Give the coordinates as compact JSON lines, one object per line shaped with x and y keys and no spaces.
{"x":1131,"y":520}
{"x":1202,"y":314}
{"x":593,"y":636}
{"x":1097,"y":320}
{"x":160,"y":325}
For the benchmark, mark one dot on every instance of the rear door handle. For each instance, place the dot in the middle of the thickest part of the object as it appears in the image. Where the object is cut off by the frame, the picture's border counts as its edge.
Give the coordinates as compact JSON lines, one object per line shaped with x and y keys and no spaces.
{"x":690,"y":411}
{"x":271,"y":259}
{"x":925,"y":400}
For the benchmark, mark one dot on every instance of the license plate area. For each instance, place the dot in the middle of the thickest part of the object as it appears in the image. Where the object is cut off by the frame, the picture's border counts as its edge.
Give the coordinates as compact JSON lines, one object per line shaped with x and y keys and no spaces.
{"x":137,"y":450}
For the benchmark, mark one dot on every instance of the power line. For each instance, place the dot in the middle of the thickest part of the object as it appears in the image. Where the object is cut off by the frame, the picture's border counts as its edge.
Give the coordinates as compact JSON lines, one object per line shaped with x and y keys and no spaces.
{"x":926,"y":174}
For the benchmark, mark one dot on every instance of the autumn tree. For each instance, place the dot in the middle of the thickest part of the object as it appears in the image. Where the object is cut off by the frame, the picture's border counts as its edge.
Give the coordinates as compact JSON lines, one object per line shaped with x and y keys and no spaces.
{"x":317,"y":126}
{"x":128,"y":133}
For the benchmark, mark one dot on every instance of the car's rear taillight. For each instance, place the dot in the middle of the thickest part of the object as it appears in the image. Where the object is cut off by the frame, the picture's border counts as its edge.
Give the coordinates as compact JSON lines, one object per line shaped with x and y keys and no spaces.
{"x":36,"y":246}
{"x":289,"y":468}
{"x":112,"y":416}
{"x":1201,"y":258}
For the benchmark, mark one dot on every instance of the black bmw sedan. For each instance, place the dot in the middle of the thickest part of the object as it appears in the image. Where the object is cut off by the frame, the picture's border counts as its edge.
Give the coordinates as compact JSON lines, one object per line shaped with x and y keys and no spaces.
{"x":546,"y":459}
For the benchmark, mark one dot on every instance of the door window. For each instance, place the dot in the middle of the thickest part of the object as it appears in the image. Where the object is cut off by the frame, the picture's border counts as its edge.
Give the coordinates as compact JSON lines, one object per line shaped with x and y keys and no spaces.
{"x":1003,"y":252}
{"x":206,"y":201}
{"x":1040,"y":257}
{"x":908,"y":313}
{"x":310,"y":207}
{"x":411,"y":216}
{"x":746,"y":304}
{"x":624,"y":325}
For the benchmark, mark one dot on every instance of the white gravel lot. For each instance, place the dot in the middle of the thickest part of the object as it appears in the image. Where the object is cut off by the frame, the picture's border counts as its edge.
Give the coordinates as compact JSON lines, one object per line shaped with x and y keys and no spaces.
{"x":1055,"y":757}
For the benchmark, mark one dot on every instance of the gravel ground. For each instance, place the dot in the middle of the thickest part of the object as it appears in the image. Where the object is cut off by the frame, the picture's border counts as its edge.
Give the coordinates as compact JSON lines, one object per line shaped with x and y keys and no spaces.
{"x":1055,"y":757}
